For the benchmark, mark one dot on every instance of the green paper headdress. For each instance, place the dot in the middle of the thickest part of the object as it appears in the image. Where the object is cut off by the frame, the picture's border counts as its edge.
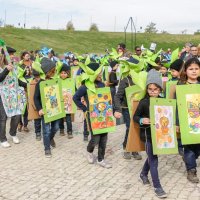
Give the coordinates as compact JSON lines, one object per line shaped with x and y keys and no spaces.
{"x":37,"y":67}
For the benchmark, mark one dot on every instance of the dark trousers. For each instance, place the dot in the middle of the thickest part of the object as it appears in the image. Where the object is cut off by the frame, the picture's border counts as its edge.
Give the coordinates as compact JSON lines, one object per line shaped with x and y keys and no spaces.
{"x":13,"y":123}
{"x":68,"y":122}
{"x":25,"y":118}
{"x":126,"y":117}
{"x":49,"y":131}
{"x":191,"y":153}
{"x":151,"y":164}
{"x":85,"y":128}
{"x":113,"y":92}
{"x":101,"y":141}
{"x":37,"y":125}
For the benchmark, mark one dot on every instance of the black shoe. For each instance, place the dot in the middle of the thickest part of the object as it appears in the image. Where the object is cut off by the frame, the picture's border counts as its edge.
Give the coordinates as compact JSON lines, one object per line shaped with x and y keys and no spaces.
{"x":85,"y":138}
{"x":48,"y":153}
{"x":52,"y":143}
{"x":69,"y":135}
{"x":144,"y":179}
{"x":160,"y":193}
{"x":126,"y":155}
{"x":136,"y":156}
{"x":38,"y":136}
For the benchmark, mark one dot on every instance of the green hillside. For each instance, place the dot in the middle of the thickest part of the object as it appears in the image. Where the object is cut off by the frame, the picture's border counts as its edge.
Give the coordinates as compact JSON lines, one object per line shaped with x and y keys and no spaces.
{"x":84,"y":41}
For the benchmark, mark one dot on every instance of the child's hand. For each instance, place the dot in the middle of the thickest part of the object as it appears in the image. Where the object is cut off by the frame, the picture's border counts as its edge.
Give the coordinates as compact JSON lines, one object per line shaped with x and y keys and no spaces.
{"x":178,"y":129}
{"x":117,"y":115}
{"x":146,"y":121}
{"x":9,"y":67}
{"x":41,"y":112}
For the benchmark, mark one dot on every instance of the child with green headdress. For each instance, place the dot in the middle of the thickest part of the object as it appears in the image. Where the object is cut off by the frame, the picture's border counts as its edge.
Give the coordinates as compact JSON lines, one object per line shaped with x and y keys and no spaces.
{"x":99,"y":139}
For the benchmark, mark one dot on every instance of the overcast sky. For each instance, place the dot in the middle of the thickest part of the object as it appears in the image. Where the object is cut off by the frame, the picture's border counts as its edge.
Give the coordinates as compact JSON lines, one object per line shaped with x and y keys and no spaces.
{"x":172,"y":16}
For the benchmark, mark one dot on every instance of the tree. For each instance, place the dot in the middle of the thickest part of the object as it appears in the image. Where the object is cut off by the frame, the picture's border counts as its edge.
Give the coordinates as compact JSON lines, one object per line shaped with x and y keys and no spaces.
{"x":151,"y":28}
{"x":70,"y":26}
{"x":164,"y":32}
{"x":94,"y":27}
{"x":197,"y":32}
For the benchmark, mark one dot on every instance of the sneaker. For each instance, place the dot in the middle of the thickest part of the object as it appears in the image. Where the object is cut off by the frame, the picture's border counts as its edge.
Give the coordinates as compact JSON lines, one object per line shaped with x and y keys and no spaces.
{"x":85,"y":138}
{"x":69,"y":135}
{"x":15,"y":139}
{"x":192,"y":176}
{"x":104,"y":164}
{"x":144,"y":179}
{"x":136,"y":156}
{"x":62,"y":132}
{"x":5,"y":144}
{"x":38,"y":136}
{"x":48,"y":153}
{"x":26,"y":129}
{"x":90,"y":158}
{"x":20,"y":128}
{"x":160,"y":193}
{"x":52,"y":143}
{"x":127,"y":155}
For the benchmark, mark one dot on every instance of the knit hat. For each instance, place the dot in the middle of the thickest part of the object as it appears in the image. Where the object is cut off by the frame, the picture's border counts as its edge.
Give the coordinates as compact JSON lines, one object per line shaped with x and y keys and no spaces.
{"x":153,"y":77}
{"x":47,"y":64}
{"x":65,"y":68}
{"x":9,"y":49}
{"x":113,"y":63}
{"x":94,"y":66}
{"x":177,"y":65}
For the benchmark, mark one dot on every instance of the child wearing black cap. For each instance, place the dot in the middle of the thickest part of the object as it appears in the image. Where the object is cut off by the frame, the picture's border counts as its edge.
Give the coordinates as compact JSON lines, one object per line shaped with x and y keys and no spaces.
{"x":65,"y":73}
{"x":49,"y":129}
{"x":175,"y":69}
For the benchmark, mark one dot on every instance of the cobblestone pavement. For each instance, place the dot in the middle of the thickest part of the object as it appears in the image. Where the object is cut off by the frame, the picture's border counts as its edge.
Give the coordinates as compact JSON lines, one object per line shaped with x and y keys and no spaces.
{"x":26,"y":174}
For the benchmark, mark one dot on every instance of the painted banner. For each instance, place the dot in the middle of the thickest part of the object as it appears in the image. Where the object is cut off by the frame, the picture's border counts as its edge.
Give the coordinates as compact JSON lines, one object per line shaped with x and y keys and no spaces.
{"x":163,"y":128}
{"x":171,"y":89}
{"x":101,"y":111}
{"x":52,"y":100}
{"x":74,"y":70}
{"x":188,"y":98}
{"x":68,"y":90}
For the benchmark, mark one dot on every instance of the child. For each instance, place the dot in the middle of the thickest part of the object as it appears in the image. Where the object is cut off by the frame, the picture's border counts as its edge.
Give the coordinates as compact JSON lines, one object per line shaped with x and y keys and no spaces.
{"x":100,"y":139}
{"x":49,"y":129}
{"x":142,"y":117}
{"x":175,"y":69}
{"x":189,"y":75}
{"x":65,"y":73}
{"x":164,"y":72}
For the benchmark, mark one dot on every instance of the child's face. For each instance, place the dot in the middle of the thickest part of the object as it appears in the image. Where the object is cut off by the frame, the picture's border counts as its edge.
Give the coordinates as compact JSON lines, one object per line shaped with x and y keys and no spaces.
{"x":174,"y":73}
{"x":51,"y":73}
{"x":163,"y":70}
{"x":193,"y":71}
{"x":153,"y":90}
{"x":27,"y":57}
{"x":63,"y":75}
{"x":99,"y":77}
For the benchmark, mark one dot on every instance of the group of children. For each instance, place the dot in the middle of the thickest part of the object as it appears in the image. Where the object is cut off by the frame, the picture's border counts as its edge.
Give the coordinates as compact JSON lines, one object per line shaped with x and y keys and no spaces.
{"x":184,"y":73}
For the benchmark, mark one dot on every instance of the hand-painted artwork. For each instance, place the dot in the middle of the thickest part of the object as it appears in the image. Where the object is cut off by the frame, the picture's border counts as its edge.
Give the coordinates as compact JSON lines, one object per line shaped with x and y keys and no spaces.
{"x":101,"y":111}
{"x":74,"y":71}
{"x":52,"y":101}
{"x":13,"y":96}
{"x":193,"y":107}
{"x":164,"y":127}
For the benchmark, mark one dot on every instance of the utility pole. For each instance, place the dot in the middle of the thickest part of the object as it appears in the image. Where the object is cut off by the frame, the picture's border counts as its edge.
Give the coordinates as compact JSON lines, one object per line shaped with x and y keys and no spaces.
{"x":25,"y":19}
{"x":48,"y":21}
{"x":5,"y":19}
{"x":115,"y":24}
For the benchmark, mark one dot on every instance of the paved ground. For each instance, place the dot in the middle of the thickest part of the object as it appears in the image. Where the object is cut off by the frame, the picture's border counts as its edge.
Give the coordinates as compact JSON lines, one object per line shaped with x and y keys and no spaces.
{"x":26,"y":174}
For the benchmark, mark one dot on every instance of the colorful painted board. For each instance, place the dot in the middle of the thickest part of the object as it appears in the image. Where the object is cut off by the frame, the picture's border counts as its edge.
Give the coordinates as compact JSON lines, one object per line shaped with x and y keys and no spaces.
{"x":74,"y":70}
{"x":188,"y":98}
{"x":163,"y":127}
{"x":134,"y":144}
{"x":171,"y":89}
{"x":101,"y":111}
{"x":32,"y":111}
{"x":68,"y":90}
{"x":52,"y":100}
{"x":132,"y":94}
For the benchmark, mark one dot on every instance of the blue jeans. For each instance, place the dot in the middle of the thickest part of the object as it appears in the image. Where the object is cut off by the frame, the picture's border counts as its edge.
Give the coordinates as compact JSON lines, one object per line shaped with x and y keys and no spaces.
{"x":126,"y":117}
{"x":49,"y":131}
{"x":37,"y":125}
{"x":191,"y":153}
{"x":151,"y":164}
{"x":68,"y":122}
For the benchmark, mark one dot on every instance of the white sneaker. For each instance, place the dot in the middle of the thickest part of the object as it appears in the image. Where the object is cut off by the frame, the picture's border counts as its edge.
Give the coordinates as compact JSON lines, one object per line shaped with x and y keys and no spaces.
{"x":90,"y":158}
{"x":15,"y":139}
{"x":5,"y":144}
{"x":104,"y":164}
